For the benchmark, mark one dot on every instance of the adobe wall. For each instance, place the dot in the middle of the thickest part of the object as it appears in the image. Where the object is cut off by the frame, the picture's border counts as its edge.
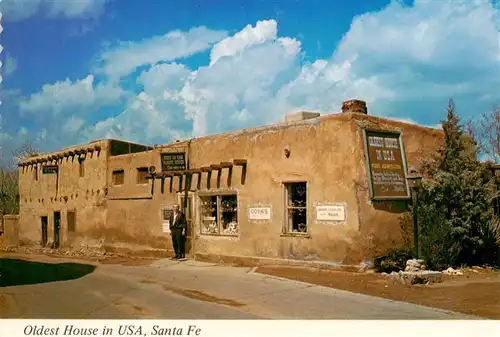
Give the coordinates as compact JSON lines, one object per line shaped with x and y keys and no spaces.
{"x":327,"y":152}
{"x":69,"y":192}
{"x":380,"y":226}
{"x":321,"y":153}
{"x":10,"y":234}
{"x":134,"y":210}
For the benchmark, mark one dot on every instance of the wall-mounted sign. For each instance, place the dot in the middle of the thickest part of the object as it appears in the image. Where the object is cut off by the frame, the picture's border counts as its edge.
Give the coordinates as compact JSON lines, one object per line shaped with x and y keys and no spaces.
{"x":386,"y":164}
{"x":334,"y":212}
{"x":173,"y":161}
{"x":50,"y":169}
{"x":259,"y":213}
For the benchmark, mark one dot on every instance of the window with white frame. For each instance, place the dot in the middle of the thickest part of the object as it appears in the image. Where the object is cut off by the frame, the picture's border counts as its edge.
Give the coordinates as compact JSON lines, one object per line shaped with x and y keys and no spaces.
{"x":219,"y":214}
{"x":296,"y":207}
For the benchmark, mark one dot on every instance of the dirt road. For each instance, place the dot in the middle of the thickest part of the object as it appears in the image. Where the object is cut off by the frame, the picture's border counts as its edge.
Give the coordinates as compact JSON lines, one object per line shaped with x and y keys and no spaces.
{"x":166,"y":289}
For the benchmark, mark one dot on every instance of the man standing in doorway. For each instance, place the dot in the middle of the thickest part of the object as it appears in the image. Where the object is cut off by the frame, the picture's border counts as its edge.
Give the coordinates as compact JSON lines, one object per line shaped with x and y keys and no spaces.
{"x":178,"y":230}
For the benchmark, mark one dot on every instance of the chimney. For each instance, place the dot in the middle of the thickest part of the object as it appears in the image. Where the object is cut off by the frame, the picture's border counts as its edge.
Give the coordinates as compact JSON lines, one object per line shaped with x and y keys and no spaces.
{"x":300,"y":116}
{"x":354,"y":106}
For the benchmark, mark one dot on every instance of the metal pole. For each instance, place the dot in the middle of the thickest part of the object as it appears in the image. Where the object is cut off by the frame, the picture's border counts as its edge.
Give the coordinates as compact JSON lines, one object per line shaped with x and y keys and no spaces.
{"x":415,"y":222}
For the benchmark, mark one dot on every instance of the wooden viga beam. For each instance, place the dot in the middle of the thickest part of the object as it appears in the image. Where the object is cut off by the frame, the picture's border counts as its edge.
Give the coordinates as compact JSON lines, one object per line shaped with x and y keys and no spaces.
{"x":240,"y":162}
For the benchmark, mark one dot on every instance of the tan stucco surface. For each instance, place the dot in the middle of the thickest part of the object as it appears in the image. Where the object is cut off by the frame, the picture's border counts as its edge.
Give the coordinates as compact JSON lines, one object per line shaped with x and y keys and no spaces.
{"x":326,"y":152}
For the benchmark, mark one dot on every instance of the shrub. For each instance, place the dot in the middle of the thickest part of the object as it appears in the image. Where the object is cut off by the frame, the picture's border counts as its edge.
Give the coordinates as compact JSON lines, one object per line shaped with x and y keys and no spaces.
{"x":457,"y":224}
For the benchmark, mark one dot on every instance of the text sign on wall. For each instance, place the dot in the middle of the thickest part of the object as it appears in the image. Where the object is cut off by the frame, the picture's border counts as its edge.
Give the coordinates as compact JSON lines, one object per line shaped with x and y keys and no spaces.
{"x":386,"y":165}
{"x":331,"y":213}
{"x":259,"y":213}
{"x":50,"y":169}
{"x":173,"y":161}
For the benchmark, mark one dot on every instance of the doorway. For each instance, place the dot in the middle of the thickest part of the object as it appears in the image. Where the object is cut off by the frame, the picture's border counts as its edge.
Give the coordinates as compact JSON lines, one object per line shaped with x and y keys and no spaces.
{"x":189,"y":220}
{"x":57,"y":226}
{"x":45,"y":224}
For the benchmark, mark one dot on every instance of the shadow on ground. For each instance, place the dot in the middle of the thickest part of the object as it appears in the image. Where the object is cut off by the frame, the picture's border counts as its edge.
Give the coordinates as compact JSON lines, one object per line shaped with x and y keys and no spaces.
{"x":14,"y":272}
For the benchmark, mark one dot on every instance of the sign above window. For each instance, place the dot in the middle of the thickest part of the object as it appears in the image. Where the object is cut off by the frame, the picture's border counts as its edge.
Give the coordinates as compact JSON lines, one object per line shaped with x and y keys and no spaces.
{"x":173,"y":161}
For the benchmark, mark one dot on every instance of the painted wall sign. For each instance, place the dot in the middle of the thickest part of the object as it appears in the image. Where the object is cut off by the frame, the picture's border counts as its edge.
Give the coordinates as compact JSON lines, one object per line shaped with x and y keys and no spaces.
{"x":173,"y":161}
{"x":335,"y":212}
{"x":50,"y":169}
{"x":386,"y":164}
{"x":259,"y":213}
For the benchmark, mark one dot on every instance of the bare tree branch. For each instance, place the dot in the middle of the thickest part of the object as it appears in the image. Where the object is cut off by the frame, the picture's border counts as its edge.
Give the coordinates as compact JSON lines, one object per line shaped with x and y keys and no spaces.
{"x":9,"y":188}
{"x":25,"y":151}
{"x":486,"y":134}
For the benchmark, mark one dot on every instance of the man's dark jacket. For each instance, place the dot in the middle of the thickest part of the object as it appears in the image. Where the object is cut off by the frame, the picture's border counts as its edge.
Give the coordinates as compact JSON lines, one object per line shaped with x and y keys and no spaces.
{"x":180,"y":223}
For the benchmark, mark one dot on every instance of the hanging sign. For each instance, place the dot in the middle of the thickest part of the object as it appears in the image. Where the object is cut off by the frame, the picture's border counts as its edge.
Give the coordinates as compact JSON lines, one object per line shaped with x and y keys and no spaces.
{"x":50,"y":169}
{"x":386,"y":165}
{"x":173,"y":161}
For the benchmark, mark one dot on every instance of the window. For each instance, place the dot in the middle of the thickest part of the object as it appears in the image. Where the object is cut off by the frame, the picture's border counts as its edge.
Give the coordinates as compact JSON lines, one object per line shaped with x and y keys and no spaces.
{"x":118,"y":177}
{"x":81,"y":163}
{"x":296,"y":207}
{"x":142,"y":174}
{"x":35,"y":173}
{"x":219,"y":214}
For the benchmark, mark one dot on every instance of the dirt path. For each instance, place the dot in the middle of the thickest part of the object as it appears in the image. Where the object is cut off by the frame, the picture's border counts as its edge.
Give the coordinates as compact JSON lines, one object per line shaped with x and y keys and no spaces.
{"x":476,"y":292}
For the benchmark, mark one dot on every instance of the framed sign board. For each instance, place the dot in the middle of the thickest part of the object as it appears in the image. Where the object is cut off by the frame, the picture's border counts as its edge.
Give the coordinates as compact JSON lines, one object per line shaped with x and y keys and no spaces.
{"x":173,"y":161}
{"x":50,"y":169}
{"x":336,"y":212}
{"x":386,"y":165}
{"x":259,"y":213}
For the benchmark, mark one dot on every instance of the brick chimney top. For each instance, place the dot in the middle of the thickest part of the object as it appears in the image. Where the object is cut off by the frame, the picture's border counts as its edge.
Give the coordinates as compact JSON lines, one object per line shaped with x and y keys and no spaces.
{"x":354,"y":106}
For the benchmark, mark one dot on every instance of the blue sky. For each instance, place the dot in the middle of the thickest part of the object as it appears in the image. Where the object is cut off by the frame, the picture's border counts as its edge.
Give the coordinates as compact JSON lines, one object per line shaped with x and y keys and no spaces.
{"x":153,"y":71}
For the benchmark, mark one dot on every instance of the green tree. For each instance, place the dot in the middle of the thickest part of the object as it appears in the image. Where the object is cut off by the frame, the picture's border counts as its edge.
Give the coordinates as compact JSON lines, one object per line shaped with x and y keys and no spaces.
{"x":455,"y":208}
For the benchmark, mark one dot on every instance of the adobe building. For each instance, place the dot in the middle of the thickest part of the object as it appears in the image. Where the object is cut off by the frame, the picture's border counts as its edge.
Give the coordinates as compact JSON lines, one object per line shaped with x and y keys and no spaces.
{"x":326,"y":188}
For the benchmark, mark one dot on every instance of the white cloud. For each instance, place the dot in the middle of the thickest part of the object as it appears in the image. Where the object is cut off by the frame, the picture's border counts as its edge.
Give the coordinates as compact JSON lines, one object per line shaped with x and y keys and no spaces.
{"x":10,"y":64}
{"x":230,"y":46}
{"x":17,"y":10}
{"x":22,"y":131}
{"x":73,"y":125}
{"x":431,"y":48}
{"x":254,"y":76}
{"x":66,"y":94}
{"x":405,"y":61}
{"x":164,"y":76}
{"x":125,"y":58}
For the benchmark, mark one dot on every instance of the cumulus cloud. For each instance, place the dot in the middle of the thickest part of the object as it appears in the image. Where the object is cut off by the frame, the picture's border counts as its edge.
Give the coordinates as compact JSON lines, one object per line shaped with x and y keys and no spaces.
{"x":17,"y":10}
{"x":125,"y":58}
{"x":405,"y":61}
{"x":263,"y":31}
{"x":429,"y":49}
{"x":10,"y":64}
{"x":66,"y":94}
